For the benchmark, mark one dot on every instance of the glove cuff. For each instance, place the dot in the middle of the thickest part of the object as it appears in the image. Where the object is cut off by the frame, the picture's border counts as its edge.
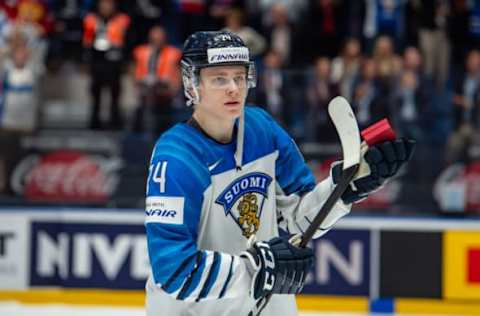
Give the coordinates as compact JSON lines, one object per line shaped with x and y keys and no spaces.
{"x":253,"y":269}
{"x":251,"y":258}
{"x":336,"y":171}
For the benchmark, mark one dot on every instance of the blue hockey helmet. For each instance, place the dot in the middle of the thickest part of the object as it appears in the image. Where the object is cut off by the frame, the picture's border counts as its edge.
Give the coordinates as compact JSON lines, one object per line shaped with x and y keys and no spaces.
{"x":210,"y":49}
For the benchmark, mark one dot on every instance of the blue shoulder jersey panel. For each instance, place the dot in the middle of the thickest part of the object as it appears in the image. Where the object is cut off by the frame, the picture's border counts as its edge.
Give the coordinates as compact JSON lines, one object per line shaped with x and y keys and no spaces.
{"x":178,"y":176}
{"x":292,"y":174}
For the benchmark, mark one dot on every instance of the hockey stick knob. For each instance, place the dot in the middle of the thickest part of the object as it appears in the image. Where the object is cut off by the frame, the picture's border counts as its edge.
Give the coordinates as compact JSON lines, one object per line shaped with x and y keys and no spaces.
{"x":379,"y":132}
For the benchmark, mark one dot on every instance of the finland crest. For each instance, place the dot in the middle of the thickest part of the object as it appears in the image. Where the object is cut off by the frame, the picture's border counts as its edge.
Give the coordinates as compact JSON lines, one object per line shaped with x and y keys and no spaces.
{"x":243,"y":199}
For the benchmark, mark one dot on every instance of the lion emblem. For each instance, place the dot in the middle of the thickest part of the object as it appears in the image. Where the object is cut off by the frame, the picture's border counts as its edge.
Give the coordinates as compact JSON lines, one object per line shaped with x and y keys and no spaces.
{"x":248,"y":220}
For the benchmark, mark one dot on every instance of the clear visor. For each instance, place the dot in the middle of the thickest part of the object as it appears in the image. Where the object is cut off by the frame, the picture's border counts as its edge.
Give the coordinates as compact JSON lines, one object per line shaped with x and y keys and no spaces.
{"x":191,"y":81}
{"x":220,"y":82}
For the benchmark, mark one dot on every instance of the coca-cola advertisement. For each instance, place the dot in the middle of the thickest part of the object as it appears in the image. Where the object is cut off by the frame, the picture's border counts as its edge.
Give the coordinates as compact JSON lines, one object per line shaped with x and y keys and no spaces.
{"x":65,"y":167}
{"x":66,"y":175}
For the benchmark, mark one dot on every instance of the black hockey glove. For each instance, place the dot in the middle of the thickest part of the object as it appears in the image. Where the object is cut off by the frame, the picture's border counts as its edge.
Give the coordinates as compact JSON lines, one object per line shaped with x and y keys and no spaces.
{"x":278,"y":267}
{"x":379,"y":163}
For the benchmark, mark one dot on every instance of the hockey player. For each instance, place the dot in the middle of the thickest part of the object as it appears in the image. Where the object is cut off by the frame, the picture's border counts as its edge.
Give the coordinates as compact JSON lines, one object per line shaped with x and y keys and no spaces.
{"x":228,"y":176}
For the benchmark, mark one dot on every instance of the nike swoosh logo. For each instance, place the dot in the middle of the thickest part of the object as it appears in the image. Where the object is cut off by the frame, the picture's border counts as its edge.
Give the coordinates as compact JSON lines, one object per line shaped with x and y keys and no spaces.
{"x":212,"y":166}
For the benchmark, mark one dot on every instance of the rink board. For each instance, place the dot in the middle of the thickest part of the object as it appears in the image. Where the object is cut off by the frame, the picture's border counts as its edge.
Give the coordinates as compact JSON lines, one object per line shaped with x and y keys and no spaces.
{"x":99,"y":256}
{"x":305,"y":302}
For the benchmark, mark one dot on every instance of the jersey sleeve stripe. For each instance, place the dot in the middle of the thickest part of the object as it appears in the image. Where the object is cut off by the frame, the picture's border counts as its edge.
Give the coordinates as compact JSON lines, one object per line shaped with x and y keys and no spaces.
{"x":212,"y":276}
{"x":230,"y":273}
{"x":223,"y":271}
{"x":191,"y":278}
{"x":200,"y":278}
{"x":182,"y":267}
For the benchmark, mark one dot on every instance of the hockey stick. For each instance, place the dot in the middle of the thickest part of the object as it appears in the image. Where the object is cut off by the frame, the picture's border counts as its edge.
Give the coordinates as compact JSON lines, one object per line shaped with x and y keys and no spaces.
{"x":346,"y":125}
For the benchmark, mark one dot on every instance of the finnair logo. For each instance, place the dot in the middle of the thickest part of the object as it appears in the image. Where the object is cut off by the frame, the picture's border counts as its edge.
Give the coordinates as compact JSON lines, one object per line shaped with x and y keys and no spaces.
{"x":164,"y":209}
{"x":228,"y":54}
{"x":253,"y":182}
{"x":161,"y":213}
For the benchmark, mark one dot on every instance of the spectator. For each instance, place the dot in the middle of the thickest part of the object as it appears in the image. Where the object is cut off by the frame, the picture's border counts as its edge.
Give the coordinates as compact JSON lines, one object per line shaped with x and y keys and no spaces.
{"x":10,"y":8}
{"x":323,"y":29}
{"x":295,"y":8}
{"x":272,"y":88}
{"x":191,"y":16}
{"x":458,"y":34}
{"x":104,"y":37}
{"x":384,"y":17}
{"x":146,"y":14}
{"x":157,"y":74}
{"x":320,"y":91}
{"x":66,"y":39}
{"x":72,"y":8}
{"x":35,"y":13}
{"x":466,"y":103}
{"x":218,"y":10}
{"x":474,"y":24}
{"x":31,"y":20}
{"x":18,"y":94}
{"x":433,"y":38}
{"x":409,"y":104}
{"x":346,"y":66}
{"x":370,"y":98}
{"x":5,"y":30}
{"x":234,"y":23}
{"x":413,"y":61}
{"x":388,"y":63}
{"x":279,"y":32}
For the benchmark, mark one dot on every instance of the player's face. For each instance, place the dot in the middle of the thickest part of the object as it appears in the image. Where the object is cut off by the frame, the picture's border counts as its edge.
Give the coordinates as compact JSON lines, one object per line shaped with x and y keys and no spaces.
{"x":223,"y":90}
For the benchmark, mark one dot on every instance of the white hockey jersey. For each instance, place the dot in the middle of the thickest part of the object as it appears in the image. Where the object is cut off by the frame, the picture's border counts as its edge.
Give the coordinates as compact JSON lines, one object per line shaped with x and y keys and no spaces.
{"x":200,"y":211}
{"x":18,"y":98}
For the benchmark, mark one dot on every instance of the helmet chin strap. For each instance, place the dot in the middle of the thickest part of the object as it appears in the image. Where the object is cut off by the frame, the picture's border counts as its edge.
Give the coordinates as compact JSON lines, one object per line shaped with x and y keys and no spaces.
{"x":240,"y":134}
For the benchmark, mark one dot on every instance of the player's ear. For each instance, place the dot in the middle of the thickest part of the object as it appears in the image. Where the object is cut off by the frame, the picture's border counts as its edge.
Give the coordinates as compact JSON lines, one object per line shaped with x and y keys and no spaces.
{"x":199,"y":89}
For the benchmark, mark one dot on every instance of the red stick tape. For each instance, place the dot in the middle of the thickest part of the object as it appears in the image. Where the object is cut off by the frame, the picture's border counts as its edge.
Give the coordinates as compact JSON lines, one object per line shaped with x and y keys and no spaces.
{"x":379,"y":132}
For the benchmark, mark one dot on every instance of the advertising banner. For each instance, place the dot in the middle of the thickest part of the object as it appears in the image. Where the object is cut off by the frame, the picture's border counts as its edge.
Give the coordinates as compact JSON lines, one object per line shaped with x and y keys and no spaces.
{"x":461,"y":265}
{"x":342,"y":264}
{"x":106,"y":249}
{"x":14,"y":248}
{"x":67,"y":176}
{"x":67,"y":168}
{"x":411,"y":264}
{"x":88,"y":255}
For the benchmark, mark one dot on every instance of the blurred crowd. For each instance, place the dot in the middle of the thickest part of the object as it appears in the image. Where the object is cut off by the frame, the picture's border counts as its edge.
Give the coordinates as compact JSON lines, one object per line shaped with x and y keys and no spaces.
{"x":416,"y":62}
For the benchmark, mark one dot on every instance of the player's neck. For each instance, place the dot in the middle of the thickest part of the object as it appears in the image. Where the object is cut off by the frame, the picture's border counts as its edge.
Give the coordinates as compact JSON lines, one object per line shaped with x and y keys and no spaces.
{"x":220,"y":130}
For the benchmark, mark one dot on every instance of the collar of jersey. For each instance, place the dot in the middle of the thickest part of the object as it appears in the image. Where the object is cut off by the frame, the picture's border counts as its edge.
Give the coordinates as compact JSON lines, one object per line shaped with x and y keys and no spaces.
{"x":193,"y":123}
